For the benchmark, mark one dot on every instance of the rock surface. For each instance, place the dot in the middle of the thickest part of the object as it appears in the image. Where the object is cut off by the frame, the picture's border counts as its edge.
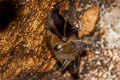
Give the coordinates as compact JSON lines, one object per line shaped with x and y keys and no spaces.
{"x":23,"y":50}
{"x":24,"y":54}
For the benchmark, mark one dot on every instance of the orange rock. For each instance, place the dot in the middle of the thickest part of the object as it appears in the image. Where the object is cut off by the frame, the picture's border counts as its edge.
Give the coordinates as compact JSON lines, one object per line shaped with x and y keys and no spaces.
{"x":49,"y":64}
{"x":64,"y":6}
{"x":88,"y":21}
{"x":77,"y":3}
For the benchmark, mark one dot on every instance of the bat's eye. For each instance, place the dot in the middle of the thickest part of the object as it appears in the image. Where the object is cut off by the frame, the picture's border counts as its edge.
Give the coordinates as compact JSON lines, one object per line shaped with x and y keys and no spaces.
{"x":58,"y":47}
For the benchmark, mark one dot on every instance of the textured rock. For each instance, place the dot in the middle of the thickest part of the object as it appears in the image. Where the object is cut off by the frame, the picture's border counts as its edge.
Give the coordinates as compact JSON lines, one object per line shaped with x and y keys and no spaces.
{"x":88,"y":21}
{"x":23,"y":49}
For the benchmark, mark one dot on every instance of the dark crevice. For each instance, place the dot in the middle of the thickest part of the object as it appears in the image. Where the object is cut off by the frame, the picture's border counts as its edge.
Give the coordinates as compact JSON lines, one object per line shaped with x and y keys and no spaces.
{"x":63,"y":29}
{"x":7,"y":14}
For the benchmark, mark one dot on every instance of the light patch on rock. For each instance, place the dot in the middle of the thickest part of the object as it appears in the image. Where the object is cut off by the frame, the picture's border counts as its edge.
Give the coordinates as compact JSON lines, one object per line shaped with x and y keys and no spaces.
{"x":110,"y":23}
